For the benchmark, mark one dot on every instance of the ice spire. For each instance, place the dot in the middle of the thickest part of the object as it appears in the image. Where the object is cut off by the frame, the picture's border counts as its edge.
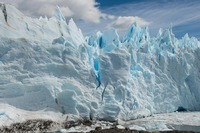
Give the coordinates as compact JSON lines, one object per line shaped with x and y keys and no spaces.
{"x":58,"y":14}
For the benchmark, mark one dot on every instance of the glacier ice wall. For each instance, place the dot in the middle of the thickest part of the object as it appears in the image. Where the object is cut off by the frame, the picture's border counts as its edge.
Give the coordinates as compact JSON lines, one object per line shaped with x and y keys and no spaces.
{"x":48,"y":64}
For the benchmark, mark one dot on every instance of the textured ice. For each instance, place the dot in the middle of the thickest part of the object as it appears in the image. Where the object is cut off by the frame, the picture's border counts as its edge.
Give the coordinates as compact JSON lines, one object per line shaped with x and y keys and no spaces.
{"x":48,"y":64}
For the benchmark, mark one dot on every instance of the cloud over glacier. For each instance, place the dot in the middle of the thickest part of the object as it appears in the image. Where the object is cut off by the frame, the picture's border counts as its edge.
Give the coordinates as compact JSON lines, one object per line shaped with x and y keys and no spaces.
{"x":122,"y":22}
{"x":86,"y":10}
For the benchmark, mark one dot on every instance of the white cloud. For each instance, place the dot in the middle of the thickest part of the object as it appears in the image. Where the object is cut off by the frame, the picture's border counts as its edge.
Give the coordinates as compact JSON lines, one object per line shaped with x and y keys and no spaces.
{"x":123,"y":22}
{"x":78,"y":9}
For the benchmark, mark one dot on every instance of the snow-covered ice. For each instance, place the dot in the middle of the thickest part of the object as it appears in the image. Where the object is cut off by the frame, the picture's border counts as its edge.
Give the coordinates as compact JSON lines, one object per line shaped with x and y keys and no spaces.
{"x":47,"y":64}
{"x":10,"y":115}
{"x":184,"y":121}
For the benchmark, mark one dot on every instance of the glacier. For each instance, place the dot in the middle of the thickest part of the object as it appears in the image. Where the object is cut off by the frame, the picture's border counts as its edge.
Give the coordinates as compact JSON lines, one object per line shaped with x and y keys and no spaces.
{"x":48,"y":64}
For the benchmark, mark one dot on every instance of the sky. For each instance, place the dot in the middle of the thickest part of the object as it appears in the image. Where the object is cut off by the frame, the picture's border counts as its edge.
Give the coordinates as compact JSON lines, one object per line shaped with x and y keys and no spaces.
{"x":95,"y":15}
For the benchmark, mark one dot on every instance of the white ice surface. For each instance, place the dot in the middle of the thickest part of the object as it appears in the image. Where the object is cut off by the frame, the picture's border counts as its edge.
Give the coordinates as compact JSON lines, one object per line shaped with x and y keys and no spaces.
{"x":167,"y":121}
{"x":10,"y":115}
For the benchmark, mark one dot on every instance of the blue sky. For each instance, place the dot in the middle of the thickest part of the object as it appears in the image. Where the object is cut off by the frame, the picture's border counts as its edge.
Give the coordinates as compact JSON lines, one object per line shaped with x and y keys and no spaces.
{"x":110,"y":3}
{"x":182,"y":15}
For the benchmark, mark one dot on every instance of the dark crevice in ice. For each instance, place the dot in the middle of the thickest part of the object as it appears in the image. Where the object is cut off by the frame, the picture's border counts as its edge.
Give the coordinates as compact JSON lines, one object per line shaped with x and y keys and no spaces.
{"x":3,"y":8}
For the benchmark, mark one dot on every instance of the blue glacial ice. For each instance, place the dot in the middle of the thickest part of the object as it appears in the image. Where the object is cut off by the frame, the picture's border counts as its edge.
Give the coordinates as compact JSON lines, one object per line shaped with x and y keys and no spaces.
{"x":48,"y":64}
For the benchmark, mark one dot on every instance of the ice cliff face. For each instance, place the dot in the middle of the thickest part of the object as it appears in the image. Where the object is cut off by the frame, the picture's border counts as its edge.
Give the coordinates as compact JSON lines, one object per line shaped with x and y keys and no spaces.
{"x":48,"y":64}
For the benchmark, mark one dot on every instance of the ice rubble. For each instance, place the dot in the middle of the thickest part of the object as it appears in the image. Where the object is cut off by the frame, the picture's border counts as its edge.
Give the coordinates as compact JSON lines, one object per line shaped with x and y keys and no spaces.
{"x":48,"y":64}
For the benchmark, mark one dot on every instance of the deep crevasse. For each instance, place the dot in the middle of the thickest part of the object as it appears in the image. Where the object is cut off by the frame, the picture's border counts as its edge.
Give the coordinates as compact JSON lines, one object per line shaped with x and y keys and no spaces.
{"x":48,"y":64}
